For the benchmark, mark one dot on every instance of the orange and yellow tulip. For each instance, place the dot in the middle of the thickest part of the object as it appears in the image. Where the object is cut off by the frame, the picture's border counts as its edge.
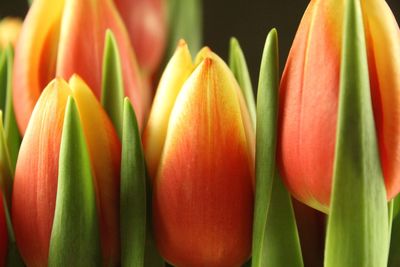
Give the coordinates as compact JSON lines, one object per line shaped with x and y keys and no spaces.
{"x":9,"y":31}
{"x":147,"y":27}
{"x":64,"y":37}
{"x":199,"y":144}
{"x":3,"y":234}
{"x":309,"y":98}
{"x":35,"y":184}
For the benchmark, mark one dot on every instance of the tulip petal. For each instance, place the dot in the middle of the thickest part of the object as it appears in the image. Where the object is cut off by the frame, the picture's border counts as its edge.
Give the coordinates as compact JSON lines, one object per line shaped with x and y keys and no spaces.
{"x":357,"y":233}
{"x":147,"y":26}
{"x":35,"y":182}
{"x":175,"y":74}
{"x":9,"y":31}
{"x":75,"y":239}
{"x":35,"y":57}
{"x":112,"y":93}
{"x":81,"y":48}
{"x":133,"y":192}
{"x":383,"y":42}
{"x":309,"y":86}
{"x":203,"y":193}
{"x":105,"y":154}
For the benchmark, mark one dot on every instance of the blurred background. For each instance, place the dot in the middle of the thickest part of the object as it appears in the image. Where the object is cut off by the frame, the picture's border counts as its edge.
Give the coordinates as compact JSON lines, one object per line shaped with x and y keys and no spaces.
{"x":249,"y":21}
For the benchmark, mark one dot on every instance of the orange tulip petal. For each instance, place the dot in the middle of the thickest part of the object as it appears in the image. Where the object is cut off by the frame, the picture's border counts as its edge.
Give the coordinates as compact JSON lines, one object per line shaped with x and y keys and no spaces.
{"x":81,"y":48}
{"x":308,"y":105}
{"x":203,"y":193}
{"x":35,"y":57}
{"x":147,"y":27}
{"x":383,"y":44}
{"x":105,"y":152}
{"x":35,"y":183}
{"x":177,"y":71}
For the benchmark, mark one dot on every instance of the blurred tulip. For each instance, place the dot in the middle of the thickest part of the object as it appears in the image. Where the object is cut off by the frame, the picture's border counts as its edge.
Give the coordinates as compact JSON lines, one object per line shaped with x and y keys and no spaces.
{"x":147,"y":26}
{"x":3,"y":234}
{"x":35,"y":184}
{"x":204,"y":187}
{"x":67,"y":40}
{"x":9,"y":31}
{"x":309,"y":98}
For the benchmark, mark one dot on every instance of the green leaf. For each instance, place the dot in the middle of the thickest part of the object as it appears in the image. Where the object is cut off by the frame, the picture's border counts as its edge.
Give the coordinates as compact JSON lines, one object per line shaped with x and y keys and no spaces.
{"x":112,"y":95}
{"x":133,"y":192}
{"x":238,"y":65}
{"x":185,"y":21}
{"x":6,"y":170}
{"x":357,"y":232}
{"x":3,"y":79}
{"x":75,"y":239}
{"x":275,"y":237}
{"x":282,"y":243}
{"x":10,"y":124}
{"x":394,"y":251}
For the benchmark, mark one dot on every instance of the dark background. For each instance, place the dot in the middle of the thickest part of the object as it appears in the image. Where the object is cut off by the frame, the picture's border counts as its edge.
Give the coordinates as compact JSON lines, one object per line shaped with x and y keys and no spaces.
{"x":249,"y":21}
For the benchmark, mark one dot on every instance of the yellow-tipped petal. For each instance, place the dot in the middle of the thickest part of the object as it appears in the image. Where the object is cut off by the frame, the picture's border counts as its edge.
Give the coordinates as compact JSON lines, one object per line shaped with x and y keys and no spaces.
{"x":177,"y":71}
{"x":203,"y":193}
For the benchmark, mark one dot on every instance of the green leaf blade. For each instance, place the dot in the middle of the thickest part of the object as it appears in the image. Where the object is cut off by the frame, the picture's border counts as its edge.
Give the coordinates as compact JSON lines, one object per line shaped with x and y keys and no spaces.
{"x":357,"y":232}
{"x":272,"y":244}
{"x":112,"y":96}
{"x":75,"y":238}
{"x":185,"y":22}
{"x":133,"y":192}
{"x":238,"y":65}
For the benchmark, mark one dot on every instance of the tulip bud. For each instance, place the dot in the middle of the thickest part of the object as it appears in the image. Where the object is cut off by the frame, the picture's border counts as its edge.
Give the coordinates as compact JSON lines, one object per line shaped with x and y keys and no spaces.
{"x":147,"y":27}
{"x":204,"y":187}
{"x":35,"y":184}
{"x":9,"y":31}
{"x":3,"y":234}
{"x":68,"y":40}
{"x":309,"y":98}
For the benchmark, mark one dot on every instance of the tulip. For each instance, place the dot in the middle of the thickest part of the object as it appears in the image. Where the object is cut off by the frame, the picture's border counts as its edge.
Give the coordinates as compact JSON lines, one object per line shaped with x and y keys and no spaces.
{"x":309,"y":98}
{"x":68,"y":40}
{"x":35,"y":184}
{"x":204,"y":185}
{"x":147,"y":27}
{"x":9,"y":31}
{"x":3,"y":234}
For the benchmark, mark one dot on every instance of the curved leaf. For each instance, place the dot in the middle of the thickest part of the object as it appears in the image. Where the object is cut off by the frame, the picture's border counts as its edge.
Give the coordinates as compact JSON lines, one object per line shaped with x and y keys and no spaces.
{"x":357,"y":232}
{"x":75,"y":239}
{"x":112,"y":94}
{"x":133,"y":192}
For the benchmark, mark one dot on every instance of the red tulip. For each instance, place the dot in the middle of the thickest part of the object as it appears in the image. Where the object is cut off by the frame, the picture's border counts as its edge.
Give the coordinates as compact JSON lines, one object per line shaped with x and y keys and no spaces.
{"x":3,"y":234}
{"x":35,"y":184}
{"x":147,"y":27}
{"x":204,"y":188}
{"x":67,"y":37}
{"x":309,"y":98}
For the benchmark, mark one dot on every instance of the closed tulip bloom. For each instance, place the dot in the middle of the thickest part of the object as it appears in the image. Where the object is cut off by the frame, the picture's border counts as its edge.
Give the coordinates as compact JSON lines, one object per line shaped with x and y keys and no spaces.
{"x":204,"y":187}
{"x":63,"y":37}
{"x":147,"y":26}
{"x":3,"y":234}
{"x":309,"y":98}
{"x":35,"y":184}
{"x":9,"y":31}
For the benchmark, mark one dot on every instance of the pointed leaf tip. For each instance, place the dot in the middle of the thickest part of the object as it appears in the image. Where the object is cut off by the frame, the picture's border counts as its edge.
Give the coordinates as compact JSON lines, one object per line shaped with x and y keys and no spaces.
{"x":75,"y":238}
{"x":112,"y":82}
{"x":133,"y":192}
